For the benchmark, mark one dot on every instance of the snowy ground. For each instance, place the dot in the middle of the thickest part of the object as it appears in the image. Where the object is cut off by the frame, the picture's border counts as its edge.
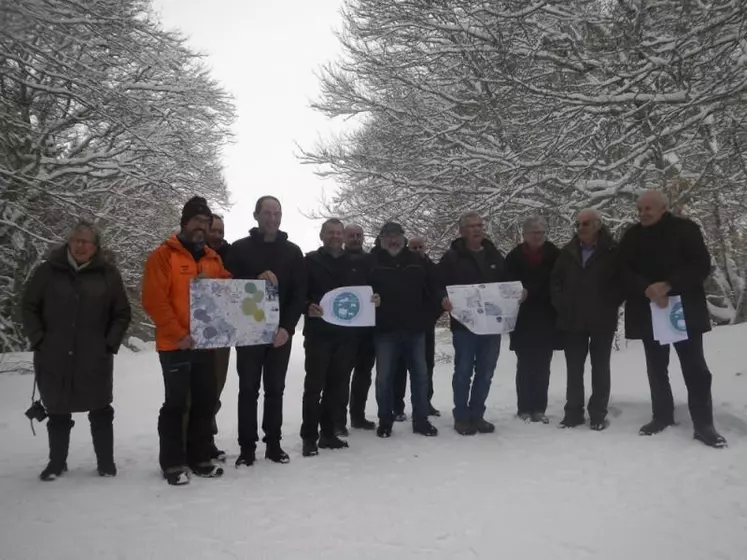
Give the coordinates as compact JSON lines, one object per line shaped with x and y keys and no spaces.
{"x":527,"y":491}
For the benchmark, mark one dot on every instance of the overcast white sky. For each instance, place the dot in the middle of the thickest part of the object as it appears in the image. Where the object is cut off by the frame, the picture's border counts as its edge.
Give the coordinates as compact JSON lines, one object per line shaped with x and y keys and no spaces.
{"x":265,"y":52}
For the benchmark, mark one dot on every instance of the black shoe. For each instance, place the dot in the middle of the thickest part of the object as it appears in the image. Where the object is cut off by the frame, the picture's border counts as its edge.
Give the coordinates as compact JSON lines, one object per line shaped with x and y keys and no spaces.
{"x":333,"y":442}
{"x":400,"y":417}
{"x":424,"y":428}
{"x":207,"y":470}
{"x":464,"y":427}
{"x":570,"y":422}
{"x":218,"y":455}
{"x":599,"y":425}
{"x":362,"y":424}
{"x":310,"y":448}
{"x":246,"y":458}
{"x":176,"y":477}
{"x":276,"y":454}
{"x":433,"y":411}
{"x":525,"y":416}
{"x":52,"y":472}
{"x":540,"y":417}
{"x":710,"y":437}
{"x":341,"y":431}
{"x":483,"y":426}
{"x":654,"y":427}
{"x":384,"y":431}
{"x":108,"y":471}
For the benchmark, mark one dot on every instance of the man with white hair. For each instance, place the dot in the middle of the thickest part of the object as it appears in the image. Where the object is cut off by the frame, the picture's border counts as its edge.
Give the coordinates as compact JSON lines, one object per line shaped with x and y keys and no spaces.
{"x":662,"y":256}
{"x":586,"y":295}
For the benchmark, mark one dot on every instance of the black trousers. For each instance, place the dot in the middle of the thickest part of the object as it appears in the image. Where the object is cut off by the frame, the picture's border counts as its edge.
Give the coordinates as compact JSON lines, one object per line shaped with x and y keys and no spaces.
{"x":365,"y":357}
{"x":267,"y":366}
{"x":189,"y":384}
{"x":533,"y":376}
{"x":577,"y":347}
{"x":695,"y":372}
{"x":102,"y":433}
{"x":329,"y":360}
{"x":400,"y":376}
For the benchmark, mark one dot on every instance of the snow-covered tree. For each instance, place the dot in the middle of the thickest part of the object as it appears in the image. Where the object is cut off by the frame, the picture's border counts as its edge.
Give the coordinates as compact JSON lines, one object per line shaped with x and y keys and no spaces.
{"x":103,"y":115}
{"x":513,"y":107}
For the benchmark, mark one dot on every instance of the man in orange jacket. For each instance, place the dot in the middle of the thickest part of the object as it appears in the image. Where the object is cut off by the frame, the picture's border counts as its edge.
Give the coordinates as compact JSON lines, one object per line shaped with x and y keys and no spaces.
{"x":186,"y":371}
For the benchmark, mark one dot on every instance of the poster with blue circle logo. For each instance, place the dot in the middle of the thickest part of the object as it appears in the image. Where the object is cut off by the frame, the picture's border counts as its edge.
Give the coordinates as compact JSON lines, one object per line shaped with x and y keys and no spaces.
{"x":668,"y":323}
{"x":351,"y":306}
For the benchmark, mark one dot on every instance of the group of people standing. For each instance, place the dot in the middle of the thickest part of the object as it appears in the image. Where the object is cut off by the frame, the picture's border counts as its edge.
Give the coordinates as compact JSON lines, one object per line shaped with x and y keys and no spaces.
{"x":76,"y":312}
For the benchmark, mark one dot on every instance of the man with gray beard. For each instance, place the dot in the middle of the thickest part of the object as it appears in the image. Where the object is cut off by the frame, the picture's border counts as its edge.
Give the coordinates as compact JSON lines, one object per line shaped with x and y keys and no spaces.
{"x":408,"y":291}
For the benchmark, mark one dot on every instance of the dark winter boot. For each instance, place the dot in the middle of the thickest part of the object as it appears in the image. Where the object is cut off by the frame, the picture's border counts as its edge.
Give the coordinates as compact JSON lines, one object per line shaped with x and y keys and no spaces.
{"x":362,"y":424}
{"x":464,"y":427}
{"x":424,"y":428}
{"x":310,"y":448}
{"x":58,"y":431}
{"x":247,"y":457}
{"x":102,"y":432}
{"x":572,"y":421}
{"x":332,"y":442}
{"x":207,"y":470}
{"x":710,"y":437}
{"x":276,"y":454}
{"x":384,"y":430}
{"x":483,"y":426}
{"x":654,"y":427}
{"x":176,"y":476}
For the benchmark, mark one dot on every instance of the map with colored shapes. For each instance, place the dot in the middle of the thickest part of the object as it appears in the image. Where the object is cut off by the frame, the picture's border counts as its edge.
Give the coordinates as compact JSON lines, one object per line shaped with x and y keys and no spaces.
{"x":225,"y":313}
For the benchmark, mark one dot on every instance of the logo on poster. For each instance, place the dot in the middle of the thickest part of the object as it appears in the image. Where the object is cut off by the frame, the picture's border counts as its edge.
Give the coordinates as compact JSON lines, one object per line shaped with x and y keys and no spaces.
{"x":346,"y":306}
{"x":677,"y":317}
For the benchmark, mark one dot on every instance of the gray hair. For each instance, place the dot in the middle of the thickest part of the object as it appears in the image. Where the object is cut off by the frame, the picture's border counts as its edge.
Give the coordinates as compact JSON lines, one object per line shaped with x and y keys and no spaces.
{"x":85,"y":225}
{"x":533,"y":222}
{"x":593,"y":212}
{"x":468,"y":216}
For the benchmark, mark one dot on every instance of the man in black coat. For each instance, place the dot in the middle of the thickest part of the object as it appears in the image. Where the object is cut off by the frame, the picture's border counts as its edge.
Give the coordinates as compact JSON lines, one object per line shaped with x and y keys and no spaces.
{"x":75,"y":314}
{"x":407,"y":291}
{"x":472,"y":259}
{"x":365,"y":355}
{"x":534,"y":337}
{"x":586,"y":295}
{"x":267,"y":255}
{"x":665,"y":255}
{"x":330,"y":349}
{"x":417,"y":245}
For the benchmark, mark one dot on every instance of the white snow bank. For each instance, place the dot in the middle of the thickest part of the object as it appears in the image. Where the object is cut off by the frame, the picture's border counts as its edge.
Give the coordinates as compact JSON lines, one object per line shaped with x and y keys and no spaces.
{"x":527,"y":491}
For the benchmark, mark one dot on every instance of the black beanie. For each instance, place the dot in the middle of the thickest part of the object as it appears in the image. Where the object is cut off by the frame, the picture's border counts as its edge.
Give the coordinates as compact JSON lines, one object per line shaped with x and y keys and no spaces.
{"x":195,"y":206}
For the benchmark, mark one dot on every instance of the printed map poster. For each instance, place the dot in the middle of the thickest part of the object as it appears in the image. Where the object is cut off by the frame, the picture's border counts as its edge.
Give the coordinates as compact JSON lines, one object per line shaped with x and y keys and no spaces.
{"x":486,"y":308}
{"x":225,"y":313}
{"x":351,"y":306}
{"x":669,"y":323}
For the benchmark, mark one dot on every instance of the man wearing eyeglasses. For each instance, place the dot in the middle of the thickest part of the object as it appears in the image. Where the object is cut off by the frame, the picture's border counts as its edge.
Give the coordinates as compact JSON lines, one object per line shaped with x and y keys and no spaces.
{"x":586,"y":295}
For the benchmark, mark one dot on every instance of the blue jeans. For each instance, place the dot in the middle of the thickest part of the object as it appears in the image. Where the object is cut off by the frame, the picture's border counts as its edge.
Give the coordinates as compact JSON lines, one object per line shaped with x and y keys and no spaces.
{"x":478,"y":354}
{"x":390,"y":348}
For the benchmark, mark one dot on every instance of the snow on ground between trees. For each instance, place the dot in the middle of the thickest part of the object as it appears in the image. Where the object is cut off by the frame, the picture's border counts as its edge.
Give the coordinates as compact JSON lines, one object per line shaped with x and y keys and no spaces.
{"x":527,"y":491}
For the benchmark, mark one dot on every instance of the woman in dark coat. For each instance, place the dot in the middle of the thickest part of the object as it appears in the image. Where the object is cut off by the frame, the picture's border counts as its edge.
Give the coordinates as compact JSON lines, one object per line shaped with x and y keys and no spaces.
{"x":75,"y":314}
{"x":534,"y":338}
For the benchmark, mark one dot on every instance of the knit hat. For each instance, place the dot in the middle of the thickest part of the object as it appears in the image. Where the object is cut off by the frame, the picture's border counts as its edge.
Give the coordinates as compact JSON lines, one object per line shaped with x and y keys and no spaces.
{"x":392,"y":227}
{"x":195,"y":206}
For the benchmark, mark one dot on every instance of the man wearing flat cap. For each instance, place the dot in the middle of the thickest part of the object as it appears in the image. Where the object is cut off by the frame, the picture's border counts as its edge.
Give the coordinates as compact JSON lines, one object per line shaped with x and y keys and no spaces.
{"x":407,"y":290}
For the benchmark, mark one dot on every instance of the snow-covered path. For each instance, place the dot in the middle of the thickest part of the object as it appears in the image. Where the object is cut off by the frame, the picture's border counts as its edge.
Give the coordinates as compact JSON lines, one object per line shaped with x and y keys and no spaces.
{"x":527,"y":491}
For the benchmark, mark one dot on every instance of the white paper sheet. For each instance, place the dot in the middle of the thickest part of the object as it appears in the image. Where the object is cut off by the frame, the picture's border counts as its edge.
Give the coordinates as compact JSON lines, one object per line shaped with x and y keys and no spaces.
{"x":225,"y":313}
{"x":669,"y":323}
{"x":486,"y":308}
{"x":350,"y":306}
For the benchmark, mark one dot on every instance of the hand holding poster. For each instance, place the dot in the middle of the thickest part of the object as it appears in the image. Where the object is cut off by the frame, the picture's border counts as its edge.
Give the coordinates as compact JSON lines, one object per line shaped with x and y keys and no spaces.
{"x":350,"y":306}
{"x":668,"y":322}
{"x":486,"y":308}
{"x":225,"y":313}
